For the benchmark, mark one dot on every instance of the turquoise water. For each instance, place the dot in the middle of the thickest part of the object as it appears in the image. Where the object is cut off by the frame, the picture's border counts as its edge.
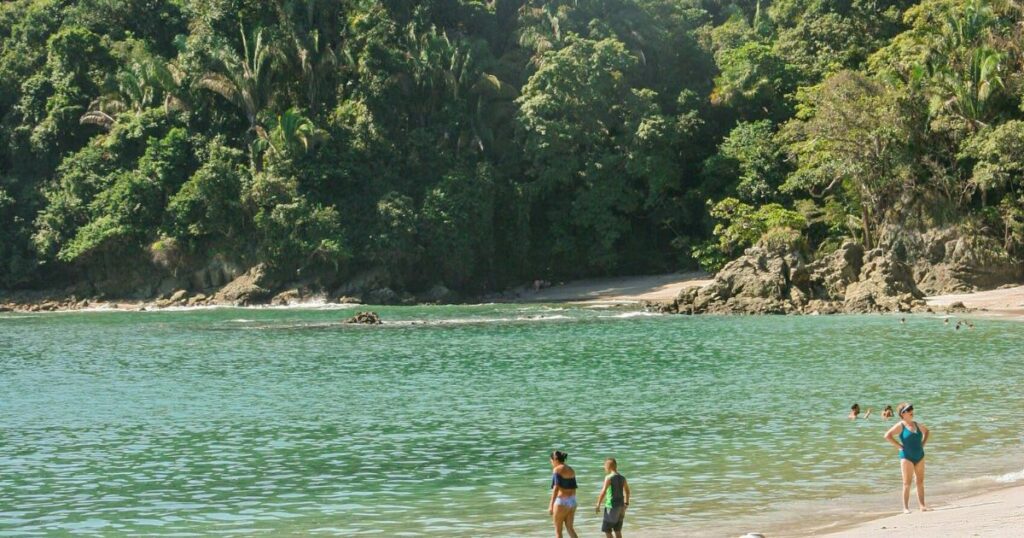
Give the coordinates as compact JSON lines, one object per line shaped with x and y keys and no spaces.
{"x":277,"y":422}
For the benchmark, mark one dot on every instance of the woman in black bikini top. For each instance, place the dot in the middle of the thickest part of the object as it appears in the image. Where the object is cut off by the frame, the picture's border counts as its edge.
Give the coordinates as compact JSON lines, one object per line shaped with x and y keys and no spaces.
{"x":563,"y":495}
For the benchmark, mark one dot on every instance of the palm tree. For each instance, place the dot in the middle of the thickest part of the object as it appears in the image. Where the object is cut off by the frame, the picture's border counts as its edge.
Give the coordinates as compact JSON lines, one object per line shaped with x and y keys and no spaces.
{"x":246,"y":81}
{"x":541,"y":27}
{"x":964,"y":69}
{"x":292,"y":135}
{"x":968,"y":95}
{"x":448,"y":71}
{"x":140,"y":85}
{"x":311,"y":22}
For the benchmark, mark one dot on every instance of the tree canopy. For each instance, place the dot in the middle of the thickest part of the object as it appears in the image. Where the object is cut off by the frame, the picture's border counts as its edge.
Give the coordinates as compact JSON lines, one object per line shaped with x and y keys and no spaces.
{"x":480,"y":144}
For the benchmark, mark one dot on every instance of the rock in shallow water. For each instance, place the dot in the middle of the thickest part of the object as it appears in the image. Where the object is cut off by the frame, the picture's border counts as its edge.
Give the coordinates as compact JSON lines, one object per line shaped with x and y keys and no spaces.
{"x":365,"y":318}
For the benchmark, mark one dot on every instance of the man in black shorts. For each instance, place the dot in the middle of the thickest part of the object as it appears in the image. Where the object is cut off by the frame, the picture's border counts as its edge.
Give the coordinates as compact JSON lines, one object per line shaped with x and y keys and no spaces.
{"x":614,"y":498}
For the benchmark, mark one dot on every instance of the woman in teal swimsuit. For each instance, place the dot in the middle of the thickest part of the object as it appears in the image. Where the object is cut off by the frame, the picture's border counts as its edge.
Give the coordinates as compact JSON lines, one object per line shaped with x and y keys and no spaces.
{"x":912,"y":438}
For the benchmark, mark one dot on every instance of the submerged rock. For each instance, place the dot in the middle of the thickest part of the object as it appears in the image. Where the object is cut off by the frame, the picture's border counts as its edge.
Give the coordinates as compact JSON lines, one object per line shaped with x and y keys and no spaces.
{"x":366,"y":318}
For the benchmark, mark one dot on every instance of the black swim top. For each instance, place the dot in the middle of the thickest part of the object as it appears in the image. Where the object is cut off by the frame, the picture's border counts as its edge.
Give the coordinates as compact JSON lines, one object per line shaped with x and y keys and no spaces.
{"x":563,"y":482}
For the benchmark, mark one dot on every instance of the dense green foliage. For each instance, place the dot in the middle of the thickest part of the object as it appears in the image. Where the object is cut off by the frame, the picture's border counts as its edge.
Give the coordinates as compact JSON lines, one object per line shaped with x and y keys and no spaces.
{"x":481,"y":143}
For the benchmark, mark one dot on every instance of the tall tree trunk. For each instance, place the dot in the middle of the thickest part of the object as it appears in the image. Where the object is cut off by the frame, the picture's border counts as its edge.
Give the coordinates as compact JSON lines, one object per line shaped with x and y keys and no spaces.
{"x":865,"y":223}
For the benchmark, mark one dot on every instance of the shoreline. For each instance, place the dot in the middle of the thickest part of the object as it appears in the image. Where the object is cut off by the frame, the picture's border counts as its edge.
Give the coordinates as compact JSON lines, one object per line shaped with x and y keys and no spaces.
{"x":994,"y":513}
{"x":613,"y":291}
{"x":991,"y":507}
{"x":1006,"y":302}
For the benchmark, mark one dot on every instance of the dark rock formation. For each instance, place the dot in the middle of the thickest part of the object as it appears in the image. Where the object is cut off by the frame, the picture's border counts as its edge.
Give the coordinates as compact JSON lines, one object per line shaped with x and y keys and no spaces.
{"x":365,"y":318}
{"x":363,"y":282}
{"x":438,"y":294}
{"x":383,"y":296}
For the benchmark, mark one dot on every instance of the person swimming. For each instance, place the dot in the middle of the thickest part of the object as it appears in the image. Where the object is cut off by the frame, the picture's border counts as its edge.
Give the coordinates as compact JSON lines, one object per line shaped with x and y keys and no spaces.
{"x":912,"y":438}
{"x":855,"y":412}
{"x":563,"y":494}
{"x":887,"y":413}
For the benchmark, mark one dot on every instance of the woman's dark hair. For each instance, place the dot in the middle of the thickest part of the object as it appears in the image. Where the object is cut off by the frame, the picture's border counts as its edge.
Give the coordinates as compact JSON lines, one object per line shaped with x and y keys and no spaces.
{"x":854,"y":407}
{"x":559,"y":456}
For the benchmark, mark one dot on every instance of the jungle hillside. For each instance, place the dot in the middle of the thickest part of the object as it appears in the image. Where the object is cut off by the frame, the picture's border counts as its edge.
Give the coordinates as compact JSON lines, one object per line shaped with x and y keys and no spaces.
{"x":473,"y":145}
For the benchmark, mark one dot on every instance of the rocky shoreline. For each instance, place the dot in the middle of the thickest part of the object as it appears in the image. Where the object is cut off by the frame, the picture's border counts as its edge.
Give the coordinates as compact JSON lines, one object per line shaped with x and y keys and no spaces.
{"x":254,"y":287}
{"x":848,"y":281}
{"x":764,"y":280}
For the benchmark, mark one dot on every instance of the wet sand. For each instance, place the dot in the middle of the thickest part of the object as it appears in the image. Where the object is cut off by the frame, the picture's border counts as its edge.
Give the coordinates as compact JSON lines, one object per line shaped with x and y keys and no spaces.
{"x":994,"y":514}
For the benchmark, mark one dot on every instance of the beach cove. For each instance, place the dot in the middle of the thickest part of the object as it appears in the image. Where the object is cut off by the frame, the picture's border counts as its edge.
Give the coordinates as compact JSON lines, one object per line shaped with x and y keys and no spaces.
{"x":263,"y":421}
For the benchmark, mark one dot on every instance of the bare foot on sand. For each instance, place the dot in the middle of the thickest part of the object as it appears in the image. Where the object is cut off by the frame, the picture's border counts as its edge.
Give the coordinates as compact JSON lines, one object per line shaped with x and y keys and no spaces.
{"x":926,"y":508}
{"x":906,"y":510}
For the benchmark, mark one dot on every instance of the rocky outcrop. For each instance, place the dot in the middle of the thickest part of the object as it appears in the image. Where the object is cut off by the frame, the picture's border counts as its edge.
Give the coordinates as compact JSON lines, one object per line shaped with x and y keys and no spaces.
{"x":885,"y":285}
{"x":215,"y":274}
{"x":177,"y":298}
{"x":949,"y":260}
{"x":831,"y":275}
{"x":765,"y":281}
{"x":365,"y":318}
{"x":253,"y":287}
{"x":287,"y":297}
{"x":756,"y":283}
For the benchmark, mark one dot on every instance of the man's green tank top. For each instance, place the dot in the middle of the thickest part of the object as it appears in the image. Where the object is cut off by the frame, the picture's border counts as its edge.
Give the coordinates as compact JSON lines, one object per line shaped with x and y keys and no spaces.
{"x":613,"y":496}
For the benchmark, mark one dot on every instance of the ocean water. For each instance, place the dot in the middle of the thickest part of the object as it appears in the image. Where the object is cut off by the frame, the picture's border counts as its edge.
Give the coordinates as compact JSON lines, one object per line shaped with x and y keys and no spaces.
{"x":242,"y":422}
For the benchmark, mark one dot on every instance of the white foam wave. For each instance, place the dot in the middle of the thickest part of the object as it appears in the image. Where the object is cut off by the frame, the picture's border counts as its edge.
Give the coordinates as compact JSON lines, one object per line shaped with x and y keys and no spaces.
{"x":1010,"y":478}
{"x":637,"y":315}
{"x":472,"y":321}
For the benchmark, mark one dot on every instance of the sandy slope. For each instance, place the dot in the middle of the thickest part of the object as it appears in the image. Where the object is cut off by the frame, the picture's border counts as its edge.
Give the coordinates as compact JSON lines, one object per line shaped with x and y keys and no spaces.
{"x":1004,"y":301}
{"x":655,"y":288}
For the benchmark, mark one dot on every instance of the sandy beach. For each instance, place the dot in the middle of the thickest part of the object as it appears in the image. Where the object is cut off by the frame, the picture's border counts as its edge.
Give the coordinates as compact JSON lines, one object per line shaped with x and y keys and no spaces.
{"x":1002,"y":302}
{"x":995,"y":514}
{"x":1007,"y":301}
{"x":620,"y":290}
